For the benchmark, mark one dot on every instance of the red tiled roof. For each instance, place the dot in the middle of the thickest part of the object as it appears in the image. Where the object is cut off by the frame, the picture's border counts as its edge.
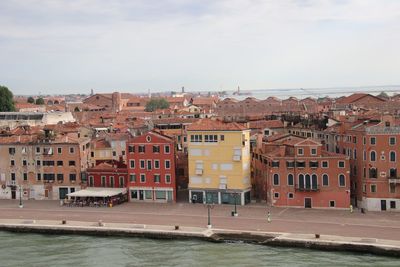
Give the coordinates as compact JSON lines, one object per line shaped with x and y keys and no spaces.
{"x":215,"y":125}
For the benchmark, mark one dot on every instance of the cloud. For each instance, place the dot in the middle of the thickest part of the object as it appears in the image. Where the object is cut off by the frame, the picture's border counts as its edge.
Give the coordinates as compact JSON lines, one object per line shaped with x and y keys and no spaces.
{"x":136,"y":45}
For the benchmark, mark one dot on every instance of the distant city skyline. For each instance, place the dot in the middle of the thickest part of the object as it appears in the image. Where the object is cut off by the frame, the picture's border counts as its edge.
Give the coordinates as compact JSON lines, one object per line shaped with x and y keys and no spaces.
{"x":62,"y":47}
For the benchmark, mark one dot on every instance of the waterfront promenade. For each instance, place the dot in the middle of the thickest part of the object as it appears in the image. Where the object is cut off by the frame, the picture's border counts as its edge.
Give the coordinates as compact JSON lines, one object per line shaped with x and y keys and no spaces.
{"x":375,"y":225}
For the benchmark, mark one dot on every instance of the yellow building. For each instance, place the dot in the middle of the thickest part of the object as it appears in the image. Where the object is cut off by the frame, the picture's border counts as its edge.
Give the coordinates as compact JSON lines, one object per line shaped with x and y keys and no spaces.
{"x":219,"y":162}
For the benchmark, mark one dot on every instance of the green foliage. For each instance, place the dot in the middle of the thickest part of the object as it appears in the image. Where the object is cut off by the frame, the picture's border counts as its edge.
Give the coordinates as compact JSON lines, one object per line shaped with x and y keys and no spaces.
{"x":31,"y":100}
{"x":39,"y":101}
{"x":156,"y":103}
{"x":6,"y":100}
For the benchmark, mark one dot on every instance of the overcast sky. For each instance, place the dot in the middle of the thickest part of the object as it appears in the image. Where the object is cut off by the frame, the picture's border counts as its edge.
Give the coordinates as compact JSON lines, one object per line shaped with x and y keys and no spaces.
{"x":133,"y":45}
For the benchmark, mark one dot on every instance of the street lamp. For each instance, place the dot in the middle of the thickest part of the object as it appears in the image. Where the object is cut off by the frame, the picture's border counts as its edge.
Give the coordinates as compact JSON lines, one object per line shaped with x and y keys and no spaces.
{"x":20,"y":197}
{"x":209,"y":207}
{"x":235,"y":213}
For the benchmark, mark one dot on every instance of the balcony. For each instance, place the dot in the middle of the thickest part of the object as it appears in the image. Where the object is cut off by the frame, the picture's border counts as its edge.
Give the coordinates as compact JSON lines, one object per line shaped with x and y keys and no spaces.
{"x":394,"y":179}
{"x":307,"y":188}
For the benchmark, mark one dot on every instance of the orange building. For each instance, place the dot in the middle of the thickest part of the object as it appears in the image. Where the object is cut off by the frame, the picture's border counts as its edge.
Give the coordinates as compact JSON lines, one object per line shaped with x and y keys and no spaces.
{"x":295,"y":172}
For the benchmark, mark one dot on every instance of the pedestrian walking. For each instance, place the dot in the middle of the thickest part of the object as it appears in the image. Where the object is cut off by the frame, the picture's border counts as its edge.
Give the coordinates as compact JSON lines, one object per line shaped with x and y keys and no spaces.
{"x":269,"y":217}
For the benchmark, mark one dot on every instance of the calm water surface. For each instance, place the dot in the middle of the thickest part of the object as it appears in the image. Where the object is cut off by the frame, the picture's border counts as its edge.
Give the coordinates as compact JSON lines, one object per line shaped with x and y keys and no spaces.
{"x":71,"y":250}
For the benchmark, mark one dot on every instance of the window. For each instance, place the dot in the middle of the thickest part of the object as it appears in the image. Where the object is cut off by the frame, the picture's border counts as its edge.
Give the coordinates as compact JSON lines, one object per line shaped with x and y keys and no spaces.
{"x":156,"y":164}
{"x":48,"y":163}
{"x":131,"y":149}
{"x":392,"y":188}
{"x":142,"y":149}
{"x":300,"y":164}
{"x":23,"y":151}
{"x":132,"y":163}
{"x":373,"y":155}
{"x":157,"y":178}
{"x":290,"y":179}
{"x":132,"y":178}
{"x":39,"y":176}
{"x":289,"y":164}
{"x":166,"y":149}
{"x":103,"y":181}
{"x":393,"y":173}
{"x":71,"y":150}
{"x":341,"y":164}
{"x":354,"y":139}
{"x":37,"y":150}
{"x":196,"y":138}
{"x":313,"y":151}
{"x":300,"y":151}
{"x":142,"y":178}
{"x":24,"y":163}
{"x":71,"y":163}
{"x":60,"y":177}
{"x":92,"y":154}
{"x":167,"y":164}
{"x":332,"y":203}
{"x":121,"y":181}
{"x":313,"y":164}
{"x":325,"y":180}
{"x":301,"y":180}
{"x":222,"y":137}
{"x":156,"y":149}
{"x":393,"y":204}
{"x":60,"y":163}
{"x":142,"y":163}
{"x":12,"y":163}
{"x":373,"y":140}
{"x":373,"y":188}
{"x":11,"y":150}
{"x":392,"y":141}
{"x":290,"y":195}
{"x":112,"y":181}
{"x":276,"y":179}
{"x":59,"y":150}
{"x":38,"y":162}
{"x":373,"y":173}
{"x":168,"y":178}
{"x":210,"y":138}
{"x":275,"y":164}
{"x":114,"y":153}
{"x":149,"y":165}
{"x":72,"y":177}
{"x":342,"y":180}
{"x":392,"y":156}
{"x":276,"y":195}
{"x":325,"y":164}
{"x":25,"y":176}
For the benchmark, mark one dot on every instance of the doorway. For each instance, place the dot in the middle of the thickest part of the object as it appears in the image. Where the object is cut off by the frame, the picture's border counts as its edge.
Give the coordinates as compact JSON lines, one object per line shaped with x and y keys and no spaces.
{"x":63,"y":191}
{"x":383,"y":204}
{"x":140,"y":194}
{"x":13,"y":194}
{"x":307,"y":203}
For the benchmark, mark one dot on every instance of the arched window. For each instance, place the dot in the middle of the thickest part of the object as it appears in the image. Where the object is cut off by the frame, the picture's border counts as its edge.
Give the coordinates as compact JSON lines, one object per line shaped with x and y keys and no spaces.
{"x":308,"y":181}
{"x":325,"y":180}
{"x":342,"y":180}
{"x":290,"y":180}
{"x":373,"y":156}
{"x":314,"y":182}
{"x":276,"y":179}
{"x":301,"y":181}
{"x":392,"y":156}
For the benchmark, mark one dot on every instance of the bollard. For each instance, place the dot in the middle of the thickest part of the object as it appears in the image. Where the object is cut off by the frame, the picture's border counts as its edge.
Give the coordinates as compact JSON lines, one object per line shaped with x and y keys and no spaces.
{"x":317,"y":235}
{"x":176,"y":227}
{"x":64,"y":221}
{"x":101,"y":223}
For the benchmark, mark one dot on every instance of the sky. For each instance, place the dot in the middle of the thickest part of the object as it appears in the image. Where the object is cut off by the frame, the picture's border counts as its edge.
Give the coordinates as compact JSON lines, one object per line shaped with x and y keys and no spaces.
{"x":60,"y":47}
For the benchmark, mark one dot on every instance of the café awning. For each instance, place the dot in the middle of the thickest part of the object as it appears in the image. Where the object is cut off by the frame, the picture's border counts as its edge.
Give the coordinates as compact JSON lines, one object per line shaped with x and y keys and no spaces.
{"x":98,"y":192}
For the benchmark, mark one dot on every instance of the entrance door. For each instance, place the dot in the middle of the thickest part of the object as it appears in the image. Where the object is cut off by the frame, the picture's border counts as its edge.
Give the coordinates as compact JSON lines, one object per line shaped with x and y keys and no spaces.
{"x":72,"y":189}
{"x":63,"y":191}
{"x":307,"y":202}
{"x":140,"y":194}
{"x":383,"y":204}
{"x":13,"y":194}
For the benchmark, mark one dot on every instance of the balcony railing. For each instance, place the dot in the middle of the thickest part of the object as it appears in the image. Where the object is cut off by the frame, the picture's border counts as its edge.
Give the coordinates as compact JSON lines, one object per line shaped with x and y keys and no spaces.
{"x":306,"y":188}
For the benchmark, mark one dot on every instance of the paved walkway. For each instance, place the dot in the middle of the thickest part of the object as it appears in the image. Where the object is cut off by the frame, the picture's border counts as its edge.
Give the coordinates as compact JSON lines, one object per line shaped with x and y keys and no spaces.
{"x":380,"y":225}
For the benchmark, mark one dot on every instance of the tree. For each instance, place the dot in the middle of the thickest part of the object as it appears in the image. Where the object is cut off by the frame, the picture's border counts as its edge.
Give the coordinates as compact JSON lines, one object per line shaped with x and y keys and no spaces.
{"x":156,"y":103}
{"x":39,"y":101}
{"x":6,"y":100}
{"x":31,"y":100}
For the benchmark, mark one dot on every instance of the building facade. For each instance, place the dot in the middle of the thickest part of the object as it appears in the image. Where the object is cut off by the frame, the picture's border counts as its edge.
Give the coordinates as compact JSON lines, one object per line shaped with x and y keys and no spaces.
{"x":219,"y":162}
{"x":151,"y":168}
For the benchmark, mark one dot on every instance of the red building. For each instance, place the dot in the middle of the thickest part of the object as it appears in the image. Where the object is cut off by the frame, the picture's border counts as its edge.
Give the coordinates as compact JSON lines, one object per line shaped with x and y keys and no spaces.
{"x":151,"y":168}
{"x":296,"y":172}
{"x":108,"y":174}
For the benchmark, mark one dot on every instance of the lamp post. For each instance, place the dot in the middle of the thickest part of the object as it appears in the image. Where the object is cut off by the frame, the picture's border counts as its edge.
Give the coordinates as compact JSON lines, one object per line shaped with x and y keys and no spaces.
{"x":209,"y":207}
{"x":235,"y":213}
{"x":20,"y":197}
